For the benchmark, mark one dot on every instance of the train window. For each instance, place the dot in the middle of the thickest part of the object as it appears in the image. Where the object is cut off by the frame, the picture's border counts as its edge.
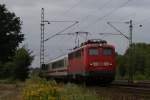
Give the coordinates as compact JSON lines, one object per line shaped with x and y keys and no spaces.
{"x":107,"y":51}
{"x":93,"y":51}
{"x":78,"y":54}
{"x":54,"y":65}
{"x":58,"y":64}
{"x":61,"y":63}
{"x":71,"y":55}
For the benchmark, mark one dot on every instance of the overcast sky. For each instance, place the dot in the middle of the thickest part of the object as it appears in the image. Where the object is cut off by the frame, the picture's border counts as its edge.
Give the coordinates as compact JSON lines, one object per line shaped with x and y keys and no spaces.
{"x":92,"y":15}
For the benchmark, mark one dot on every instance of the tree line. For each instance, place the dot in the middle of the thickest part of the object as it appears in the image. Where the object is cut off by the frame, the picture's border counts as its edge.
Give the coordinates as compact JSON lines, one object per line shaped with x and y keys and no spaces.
{"x":136,"y":59}
{"x":14,"y":61}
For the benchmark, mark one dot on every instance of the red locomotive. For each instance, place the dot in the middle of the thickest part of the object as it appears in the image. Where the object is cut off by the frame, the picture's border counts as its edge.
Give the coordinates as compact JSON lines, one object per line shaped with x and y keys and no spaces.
{"x":93,"y":61}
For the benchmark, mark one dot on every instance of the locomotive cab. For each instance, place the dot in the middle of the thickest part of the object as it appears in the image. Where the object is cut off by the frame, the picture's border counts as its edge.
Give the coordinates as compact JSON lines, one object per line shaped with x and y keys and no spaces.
{"x":100,"y":61}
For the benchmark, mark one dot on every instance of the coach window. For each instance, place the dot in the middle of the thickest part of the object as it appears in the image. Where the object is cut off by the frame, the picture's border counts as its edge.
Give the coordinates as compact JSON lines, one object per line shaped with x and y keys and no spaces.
{"x":61,"y":63}
{"x":93,"y":52}
{"x":54,"y":64}
{"x":107,"y":51}
{"x":78,"y":54}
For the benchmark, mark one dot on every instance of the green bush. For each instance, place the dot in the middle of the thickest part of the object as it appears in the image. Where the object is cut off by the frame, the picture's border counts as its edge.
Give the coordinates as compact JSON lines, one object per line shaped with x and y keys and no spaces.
{"x":139,"y":76}
{"x":74,"y":92}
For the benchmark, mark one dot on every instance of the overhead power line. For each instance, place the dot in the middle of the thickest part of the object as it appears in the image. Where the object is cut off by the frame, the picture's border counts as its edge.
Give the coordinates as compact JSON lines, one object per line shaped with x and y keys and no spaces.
{"x":76,"y":34}
{"x":117,"y":30}
{"x":100,"y":8}
{"x":71,"y":8}
{"x":61,"y":30}
{"x":108,"y":14}
{"x":63,"y":21}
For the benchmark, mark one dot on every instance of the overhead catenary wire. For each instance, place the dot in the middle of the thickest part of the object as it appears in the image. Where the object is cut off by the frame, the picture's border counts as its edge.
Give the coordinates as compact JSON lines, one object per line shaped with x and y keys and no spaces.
{"x":76,"y":36}
{"x":87,"y":16}
{"x":63,"y":21}
{"x":124,"y":18}
{"x":62,"y":31}
{"x":100,"y":8}
{"x":73,"y":6}
{"x":106,"y":15}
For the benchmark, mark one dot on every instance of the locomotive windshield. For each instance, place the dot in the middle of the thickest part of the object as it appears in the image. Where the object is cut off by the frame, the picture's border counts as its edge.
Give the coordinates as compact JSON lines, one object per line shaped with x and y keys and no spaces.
{"x":107,"y":51}
{"x":104,"y":51}
{"x":93,"y":51}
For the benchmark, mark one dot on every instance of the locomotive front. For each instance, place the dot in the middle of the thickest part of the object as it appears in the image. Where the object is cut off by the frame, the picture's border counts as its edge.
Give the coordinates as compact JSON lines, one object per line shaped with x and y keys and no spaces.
{"x":99,"y":62}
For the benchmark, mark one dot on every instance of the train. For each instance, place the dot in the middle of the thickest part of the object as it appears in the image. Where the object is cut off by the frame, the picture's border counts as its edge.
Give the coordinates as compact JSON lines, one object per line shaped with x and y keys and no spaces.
{"x":92,"y":62}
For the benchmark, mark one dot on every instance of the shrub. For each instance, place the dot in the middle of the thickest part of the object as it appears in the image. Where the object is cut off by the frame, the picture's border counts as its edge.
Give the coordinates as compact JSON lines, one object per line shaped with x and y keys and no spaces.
{"x":40,"y":90}
{"x":74,"y":92}
{"x":49,"y":90}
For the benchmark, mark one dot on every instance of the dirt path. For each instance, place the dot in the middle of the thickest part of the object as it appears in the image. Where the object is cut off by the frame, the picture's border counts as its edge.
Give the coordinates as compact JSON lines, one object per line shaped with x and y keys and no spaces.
{"x":10,"y":92}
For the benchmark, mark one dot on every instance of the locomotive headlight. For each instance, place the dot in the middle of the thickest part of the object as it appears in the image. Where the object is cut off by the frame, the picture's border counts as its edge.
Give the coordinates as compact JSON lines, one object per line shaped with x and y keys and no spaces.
{"x":100,"y":64}
{"x":110,"y":64}
{"x":96,"y":64}
{"x":91,"y":64}
{"x":107,"y":64}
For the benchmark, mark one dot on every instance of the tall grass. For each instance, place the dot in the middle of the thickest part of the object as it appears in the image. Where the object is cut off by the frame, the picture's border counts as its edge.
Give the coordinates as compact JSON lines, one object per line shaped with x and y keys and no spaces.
{"x":49,"y":90}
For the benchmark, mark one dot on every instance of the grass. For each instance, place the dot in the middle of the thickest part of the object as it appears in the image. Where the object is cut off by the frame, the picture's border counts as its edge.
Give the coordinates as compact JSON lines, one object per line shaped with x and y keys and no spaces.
{"x":50,"y":90}
{"x":74,"y":92}
{"x":40,"y":89}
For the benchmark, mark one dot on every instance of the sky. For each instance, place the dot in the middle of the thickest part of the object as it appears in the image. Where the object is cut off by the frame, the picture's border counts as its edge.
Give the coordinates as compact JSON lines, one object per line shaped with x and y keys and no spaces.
{"x":92,"y":15}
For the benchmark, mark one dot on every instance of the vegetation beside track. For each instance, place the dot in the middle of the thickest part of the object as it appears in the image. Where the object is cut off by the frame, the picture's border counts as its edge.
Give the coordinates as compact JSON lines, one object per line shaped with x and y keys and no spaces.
{"x":50,"y":90}
{"x":138,"y":64}
{"x":39,"y":89}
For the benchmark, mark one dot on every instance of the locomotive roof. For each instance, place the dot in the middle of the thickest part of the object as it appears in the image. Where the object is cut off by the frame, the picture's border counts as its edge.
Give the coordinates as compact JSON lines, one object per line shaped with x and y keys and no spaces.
{"x":91,"y":43}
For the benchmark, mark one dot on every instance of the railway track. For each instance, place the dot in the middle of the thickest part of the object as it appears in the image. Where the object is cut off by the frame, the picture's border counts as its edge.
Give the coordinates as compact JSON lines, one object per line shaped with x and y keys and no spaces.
{"x":122,"y":90}
{"x":142,"y":84}
{"x":141,"y":88}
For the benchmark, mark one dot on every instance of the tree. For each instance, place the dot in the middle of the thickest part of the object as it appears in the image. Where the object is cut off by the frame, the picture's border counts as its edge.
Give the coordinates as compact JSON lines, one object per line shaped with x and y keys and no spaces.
{"x":10,"y":34}
{"x":23,"y":60}
{"x":8,"y":70}
{"x":121,"y":66}
{"x":140,"y":61}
